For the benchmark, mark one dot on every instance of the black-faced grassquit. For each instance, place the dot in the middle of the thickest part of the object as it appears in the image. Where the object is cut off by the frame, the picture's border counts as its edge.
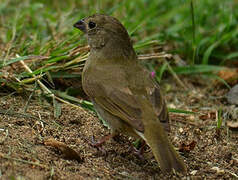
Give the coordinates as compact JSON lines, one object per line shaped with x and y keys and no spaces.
{"x":123,"y":92}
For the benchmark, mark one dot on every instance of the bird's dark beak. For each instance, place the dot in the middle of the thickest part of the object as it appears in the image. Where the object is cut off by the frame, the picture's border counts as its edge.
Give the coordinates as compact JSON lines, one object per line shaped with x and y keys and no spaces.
{"x":80,"y":25}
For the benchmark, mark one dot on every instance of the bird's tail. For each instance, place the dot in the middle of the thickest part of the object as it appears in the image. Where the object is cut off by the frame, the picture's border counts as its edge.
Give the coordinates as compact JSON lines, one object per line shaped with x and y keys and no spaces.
{"x":157,"y":139}
{"x":163,"y":150}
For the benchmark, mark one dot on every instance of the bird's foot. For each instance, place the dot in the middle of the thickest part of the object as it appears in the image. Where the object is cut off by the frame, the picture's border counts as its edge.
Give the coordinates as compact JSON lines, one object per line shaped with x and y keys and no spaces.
{"x":139,"y":152}
{"x":98,"y":144}
{"x":101,"y":141}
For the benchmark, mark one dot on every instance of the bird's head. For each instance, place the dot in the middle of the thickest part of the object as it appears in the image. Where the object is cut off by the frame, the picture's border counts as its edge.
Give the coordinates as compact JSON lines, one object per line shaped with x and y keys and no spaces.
{"x":102,"y":30}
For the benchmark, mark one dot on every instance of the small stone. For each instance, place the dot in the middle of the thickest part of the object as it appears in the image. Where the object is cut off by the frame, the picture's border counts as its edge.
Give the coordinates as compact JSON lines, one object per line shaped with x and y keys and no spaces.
{"x":232,"y":95}
{"x":180,"y":130}
{"x":193,"y":172}
{"x":218,"y":170}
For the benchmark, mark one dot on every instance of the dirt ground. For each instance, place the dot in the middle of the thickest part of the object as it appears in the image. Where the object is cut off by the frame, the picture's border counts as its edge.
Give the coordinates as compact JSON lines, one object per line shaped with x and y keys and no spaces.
{"x":24,"y":155}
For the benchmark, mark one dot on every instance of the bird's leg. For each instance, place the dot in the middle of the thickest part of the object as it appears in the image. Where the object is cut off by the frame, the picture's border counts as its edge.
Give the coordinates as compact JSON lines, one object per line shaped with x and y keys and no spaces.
{"x":101,"y":141}
{"x":139,"y":152}
{"x":98,"y":144}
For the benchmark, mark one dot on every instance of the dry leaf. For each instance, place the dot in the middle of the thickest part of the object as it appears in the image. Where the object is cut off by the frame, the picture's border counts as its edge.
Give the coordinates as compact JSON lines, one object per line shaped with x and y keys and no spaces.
{"x":67,"y":152}
{"x":232,"y":125}
{"x":230,"y":75}
{"x":208,"y":115}
{"x":187,"y":148}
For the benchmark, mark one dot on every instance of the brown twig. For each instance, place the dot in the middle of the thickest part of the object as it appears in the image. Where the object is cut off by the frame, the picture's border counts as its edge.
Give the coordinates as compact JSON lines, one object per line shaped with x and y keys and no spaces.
{"x":179,"y":82}
{"x":154,"y":56}
{"x":20,"y":115}
{"x":183,"y":121}
{"x":21,"y":160}
{"x":45,"y":89}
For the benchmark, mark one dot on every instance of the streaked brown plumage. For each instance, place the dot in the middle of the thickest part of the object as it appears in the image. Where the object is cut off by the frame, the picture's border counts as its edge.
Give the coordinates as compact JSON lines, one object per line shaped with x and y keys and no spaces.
{"x":122,"y":91}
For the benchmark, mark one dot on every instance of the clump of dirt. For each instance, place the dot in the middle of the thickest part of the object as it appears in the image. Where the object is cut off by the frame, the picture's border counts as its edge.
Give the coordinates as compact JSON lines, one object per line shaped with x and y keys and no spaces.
{"x":23,"y":153}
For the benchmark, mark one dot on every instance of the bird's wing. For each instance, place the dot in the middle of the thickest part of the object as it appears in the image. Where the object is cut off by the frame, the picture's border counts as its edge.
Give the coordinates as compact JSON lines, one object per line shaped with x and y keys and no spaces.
{"x":159,"y":105}
{"x":118,"y":93}
{"x":121,"y":103}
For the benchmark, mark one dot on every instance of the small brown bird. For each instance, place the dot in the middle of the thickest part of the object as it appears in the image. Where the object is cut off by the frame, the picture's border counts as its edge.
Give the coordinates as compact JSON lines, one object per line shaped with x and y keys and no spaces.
{"x":123,"y":92}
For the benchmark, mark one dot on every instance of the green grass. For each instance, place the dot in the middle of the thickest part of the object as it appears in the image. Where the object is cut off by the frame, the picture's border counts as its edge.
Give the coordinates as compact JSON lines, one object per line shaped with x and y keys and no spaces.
{"x":203,"y":33}
{"x":45,"y":27}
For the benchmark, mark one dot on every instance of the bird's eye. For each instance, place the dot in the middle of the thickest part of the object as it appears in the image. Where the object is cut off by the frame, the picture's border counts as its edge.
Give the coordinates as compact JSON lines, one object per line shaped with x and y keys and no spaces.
{"x":91,"y":25}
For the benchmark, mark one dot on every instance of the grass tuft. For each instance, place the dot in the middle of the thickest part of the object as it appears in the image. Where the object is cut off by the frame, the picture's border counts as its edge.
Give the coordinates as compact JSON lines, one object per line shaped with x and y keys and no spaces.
{"x":203,"y":34}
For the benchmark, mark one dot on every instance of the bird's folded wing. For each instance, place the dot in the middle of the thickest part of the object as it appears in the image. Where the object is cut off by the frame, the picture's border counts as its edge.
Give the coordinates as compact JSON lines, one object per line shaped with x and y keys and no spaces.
{"x":121,"y":103}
